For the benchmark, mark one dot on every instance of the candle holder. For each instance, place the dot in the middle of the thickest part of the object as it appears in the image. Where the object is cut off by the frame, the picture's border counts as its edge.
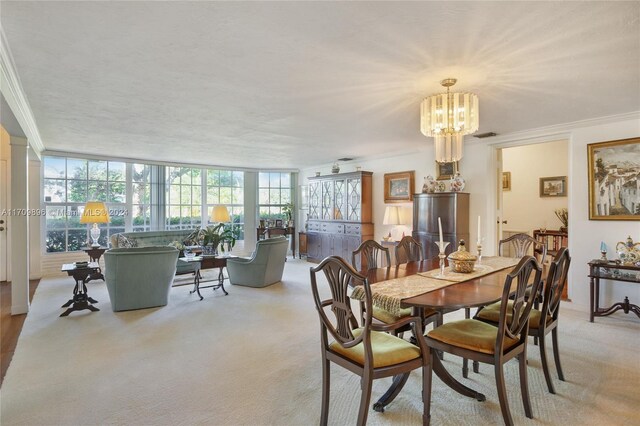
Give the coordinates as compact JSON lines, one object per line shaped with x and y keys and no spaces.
{"x":604,"y":256}
{"x":479,"y":246}
{"x":442,"y":247}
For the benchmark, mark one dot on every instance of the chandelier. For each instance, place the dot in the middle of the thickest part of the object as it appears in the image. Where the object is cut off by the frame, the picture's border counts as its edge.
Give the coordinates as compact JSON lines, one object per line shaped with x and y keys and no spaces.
{"x":447,"y":117}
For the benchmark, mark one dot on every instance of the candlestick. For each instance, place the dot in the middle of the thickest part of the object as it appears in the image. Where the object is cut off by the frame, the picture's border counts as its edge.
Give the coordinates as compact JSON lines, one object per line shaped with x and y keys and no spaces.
{"x":479,"y":246}
{"x":440,"y":229}
{"x":442,"y":246}
{"x":479,"y":233}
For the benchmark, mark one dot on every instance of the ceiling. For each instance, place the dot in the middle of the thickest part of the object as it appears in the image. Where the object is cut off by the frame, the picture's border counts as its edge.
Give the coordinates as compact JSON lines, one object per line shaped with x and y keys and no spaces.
{"x":297,"y":84}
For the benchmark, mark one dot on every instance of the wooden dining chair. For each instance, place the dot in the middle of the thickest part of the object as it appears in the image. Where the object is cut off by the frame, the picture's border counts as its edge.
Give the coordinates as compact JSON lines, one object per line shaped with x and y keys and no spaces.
{"x":554,"y":285}
{"x":371,"y":252}
{"x":519,"y":245}
{"x":408,"y":250}
{"x":364,"y":349}
{"x":483,"y":342}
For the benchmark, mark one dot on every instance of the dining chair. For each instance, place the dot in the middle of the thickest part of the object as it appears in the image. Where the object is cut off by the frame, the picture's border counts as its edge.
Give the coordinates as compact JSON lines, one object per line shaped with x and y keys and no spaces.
{"x":364,"y":349}
{"x":554,"y":285}
{"x":518,"y":245}
{"x":483,"y":342}
{"x":370,"y":251}
{"x":408,"y":250}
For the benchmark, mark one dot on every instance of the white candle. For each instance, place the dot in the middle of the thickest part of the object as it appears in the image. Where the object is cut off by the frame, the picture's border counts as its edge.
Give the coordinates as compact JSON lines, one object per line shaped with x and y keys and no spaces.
{"x":479,"y":233}
{"x":440,"y":229}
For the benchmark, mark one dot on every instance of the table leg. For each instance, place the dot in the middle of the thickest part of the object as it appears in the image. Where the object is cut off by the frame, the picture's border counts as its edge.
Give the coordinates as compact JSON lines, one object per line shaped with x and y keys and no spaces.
{"x":393,"y":391}
{"x":444,"y":375}
{"x":221,"y":281}
{"x":591,"y":289}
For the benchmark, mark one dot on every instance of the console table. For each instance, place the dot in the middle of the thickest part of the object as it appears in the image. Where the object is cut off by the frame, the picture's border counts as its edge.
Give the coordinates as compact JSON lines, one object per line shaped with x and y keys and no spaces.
{"x":615,"y":272}
{"x":262,"y":233}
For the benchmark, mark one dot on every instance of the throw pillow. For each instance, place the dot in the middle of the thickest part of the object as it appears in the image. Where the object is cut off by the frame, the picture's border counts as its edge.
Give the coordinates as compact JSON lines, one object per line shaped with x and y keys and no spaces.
{"x":193,"y":238}
{"x":124,"y":242}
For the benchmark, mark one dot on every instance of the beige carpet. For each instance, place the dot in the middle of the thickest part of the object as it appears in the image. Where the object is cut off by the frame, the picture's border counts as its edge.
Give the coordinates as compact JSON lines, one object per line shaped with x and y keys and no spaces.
{"x":252,"y":358}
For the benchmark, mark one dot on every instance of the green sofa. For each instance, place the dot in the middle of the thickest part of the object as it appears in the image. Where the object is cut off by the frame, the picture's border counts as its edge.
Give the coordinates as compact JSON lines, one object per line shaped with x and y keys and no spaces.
{"x":263,"y":268}
{"x":152,"y":238}
{"x":139,"y":278}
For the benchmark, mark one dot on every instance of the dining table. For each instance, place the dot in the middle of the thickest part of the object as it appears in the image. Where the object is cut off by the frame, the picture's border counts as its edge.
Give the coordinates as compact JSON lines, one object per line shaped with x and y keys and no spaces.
{"x":460,"y":293}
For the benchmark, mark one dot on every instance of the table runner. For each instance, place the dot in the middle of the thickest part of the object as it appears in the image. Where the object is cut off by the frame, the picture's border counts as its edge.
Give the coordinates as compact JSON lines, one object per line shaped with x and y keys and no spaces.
{"x":389,"y":294}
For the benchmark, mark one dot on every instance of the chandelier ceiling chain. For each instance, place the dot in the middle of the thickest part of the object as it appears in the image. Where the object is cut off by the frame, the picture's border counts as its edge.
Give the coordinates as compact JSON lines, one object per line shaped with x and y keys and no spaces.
{"x":447,"y":117}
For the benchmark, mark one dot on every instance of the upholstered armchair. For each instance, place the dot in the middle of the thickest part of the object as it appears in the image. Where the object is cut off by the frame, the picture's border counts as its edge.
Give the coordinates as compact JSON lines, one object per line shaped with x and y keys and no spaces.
{"x":139,"y":278}
{"x":263,"y":268}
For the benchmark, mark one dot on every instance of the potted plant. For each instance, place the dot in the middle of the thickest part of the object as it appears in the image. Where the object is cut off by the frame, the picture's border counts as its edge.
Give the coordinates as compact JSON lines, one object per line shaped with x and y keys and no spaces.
{"x":563,"y":215}
{"x":215,"y":236}
{"x":287,"y":209}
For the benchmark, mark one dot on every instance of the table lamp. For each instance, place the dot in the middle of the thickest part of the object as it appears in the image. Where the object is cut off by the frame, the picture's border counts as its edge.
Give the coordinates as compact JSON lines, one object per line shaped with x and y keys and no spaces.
{"x":95,"y":212}
{"x":391,"y":217}
{"x":220,"y":214}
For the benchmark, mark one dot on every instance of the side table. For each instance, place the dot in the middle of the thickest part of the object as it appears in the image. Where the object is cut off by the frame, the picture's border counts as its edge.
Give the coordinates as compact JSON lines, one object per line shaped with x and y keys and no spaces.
{"x":615,"y":272}
{"x":81,"y":275}
{"x":95,"y":253}
{"x":209,"y":262}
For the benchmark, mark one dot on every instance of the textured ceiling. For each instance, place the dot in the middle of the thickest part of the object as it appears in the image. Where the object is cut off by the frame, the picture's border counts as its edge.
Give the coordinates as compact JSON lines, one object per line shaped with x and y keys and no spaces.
{"x":295,"y":84}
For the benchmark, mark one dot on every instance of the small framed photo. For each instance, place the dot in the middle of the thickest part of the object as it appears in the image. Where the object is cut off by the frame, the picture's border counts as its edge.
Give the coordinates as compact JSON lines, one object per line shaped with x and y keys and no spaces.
{"x":506,"y":181}
{"x":614,"y":167}
{"x":446,"y":171}
{"x":398,"y":187}
{"x":278,"y":223}
{"x":555,"y":186}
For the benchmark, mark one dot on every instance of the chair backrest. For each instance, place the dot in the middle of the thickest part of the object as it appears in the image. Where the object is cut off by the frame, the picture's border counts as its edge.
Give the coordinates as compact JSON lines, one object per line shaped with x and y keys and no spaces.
{"x":556,"y":281}
{"x":336,"y":315}
{"x":408,"y":250}
{"x":370,"y":251}
{"x":516,"y":325}
{"x":520,"y":245}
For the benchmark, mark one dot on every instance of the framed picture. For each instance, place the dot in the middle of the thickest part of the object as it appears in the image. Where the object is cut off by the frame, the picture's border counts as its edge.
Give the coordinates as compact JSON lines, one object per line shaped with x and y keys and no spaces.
{"x":398,"y":187}
{"x":506,"y":181}
{"x":278,"y":223}
{"x":555,"y":186}
{"x":446,"y":171}
{"x":613,"y":180}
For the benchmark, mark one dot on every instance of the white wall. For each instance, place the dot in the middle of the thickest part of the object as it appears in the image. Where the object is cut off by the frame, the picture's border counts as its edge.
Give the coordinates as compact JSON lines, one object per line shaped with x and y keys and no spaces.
{"x":523,"y":208}
{"x":479,"y":168}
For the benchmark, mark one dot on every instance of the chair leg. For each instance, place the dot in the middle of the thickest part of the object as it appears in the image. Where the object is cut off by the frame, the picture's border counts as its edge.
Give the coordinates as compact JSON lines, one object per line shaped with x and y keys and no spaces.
{"x":465,"y":361}
{"x":556,"y":353}
{"x":326,"y":380}
{"x":524,"y":384}
{"x":545,"y":365}
{"x":365,"y":383}
{"x":502,"y":395}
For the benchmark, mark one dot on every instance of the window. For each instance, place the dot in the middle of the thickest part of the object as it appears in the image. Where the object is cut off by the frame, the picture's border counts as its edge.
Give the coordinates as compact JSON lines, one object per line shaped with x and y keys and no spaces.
{"x":141,"y":197}
{"x":183,"y":198}
{"x":226,"y":187}
{"x":274,"y":191}
{"x":68,"y":184}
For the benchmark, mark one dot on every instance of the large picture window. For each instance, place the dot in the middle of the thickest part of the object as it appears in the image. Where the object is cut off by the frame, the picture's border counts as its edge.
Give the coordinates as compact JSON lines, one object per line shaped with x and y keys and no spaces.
{"x":274,"y":192}
{"x":226,"y":187}
{"x":184,"y":197}
{"x":68,"y":184}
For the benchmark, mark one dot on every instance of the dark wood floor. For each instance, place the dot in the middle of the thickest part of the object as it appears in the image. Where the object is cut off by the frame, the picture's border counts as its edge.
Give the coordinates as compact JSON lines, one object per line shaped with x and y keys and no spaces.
{"x":11,"y":325}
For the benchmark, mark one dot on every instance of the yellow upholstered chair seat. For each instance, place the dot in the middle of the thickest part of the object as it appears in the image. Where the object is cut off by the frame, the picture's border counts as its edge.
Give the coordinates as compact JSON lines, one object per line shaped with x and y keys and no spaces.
{"x":470,"y":334}
{"x":387,"y":317}
{"x":387,"y":349}
{"x":492,"y":313}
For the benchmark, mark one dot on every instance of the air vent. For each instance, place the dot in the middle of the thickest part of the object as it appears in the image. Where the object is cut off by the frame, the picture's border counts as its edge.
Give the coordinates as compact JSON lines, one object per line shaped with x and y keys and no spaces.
{"x":485,"y":135}
{"x":345,"y":159}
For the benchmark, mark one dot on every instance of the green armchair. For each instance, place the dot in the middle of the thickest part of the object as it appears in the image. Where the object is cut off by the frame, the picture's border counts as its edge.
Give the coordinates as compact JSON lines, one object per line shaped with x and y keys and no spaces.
{"x":139,"y":278}
{"x":263,"y":268}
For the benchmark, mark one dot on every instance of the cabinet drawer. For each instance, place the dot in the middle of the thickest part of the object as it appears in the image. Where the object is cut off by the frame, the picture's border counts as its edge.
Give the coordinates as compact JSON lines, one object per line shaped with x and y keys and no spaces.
{"x":313,"y":226}
{"x":353,"y":229}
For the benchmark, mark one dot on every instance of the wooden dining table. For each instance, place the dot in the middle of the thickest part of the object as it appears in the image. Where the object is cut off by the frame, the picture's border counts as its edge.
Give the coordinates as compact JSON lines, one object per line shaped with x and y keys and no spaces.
{"x":474,"y":292}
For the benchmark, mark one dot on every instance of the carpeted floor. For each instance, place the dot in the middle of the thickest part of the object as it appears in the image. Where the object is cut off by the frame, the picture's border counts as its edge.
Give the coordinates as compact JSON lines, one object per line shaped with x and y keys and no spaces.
{"x":252,"y":358}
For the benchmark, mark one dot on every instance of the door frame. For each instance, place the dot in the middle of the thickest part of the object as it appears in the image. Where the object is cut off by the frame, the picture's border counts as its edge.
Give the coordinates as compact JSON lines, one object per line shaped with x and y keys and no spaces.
{"x":4,"y":240}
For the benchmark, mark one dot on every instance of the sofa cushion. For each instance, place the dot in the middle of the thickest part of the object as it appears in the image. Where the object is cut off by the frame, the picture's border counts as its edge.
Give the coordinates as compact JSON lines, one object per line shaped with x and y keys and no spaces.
{"x":124,"y":242}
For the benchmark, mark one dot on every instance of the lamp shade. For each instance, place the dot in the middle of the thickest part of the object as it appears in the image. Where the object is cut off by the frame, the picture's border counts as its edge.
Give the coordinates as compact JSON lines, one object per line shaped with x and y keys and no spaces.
{"x":220,"y":214}
{"x":391,"y":216}
{"x":95,"y":212}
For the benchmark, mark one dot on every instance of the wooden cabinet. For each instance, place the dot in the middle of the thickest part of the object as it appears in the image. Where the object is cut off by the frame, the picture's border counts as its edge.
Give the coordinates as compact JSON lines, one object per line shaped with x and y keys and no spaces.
{"x":339,"y":214}
{"x":302,"y":244}
{"x":453,"y":210}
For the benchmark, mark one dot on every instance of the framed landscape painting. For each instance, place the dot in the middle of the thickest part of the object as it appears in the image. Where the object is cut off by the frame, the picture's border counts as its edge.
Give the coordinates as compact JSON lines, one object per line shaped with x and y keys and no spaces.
{"x":555,"y":186}
{"x":614,"y":180}
{"x":398,"y":187}
{"x":506,"y":181}
{"x":446,"y":170}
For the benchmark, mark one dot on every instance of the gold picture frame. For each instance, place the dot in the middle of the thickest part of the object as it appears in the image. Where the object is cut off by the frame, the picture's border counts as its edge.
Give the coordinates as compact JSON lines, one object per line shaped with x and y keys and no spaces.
{"x":446,"y":171}
{"x":613,"y":167}
{"x":554,"y":186}
{"x":399,"y":187}
{"x":506,"y":181}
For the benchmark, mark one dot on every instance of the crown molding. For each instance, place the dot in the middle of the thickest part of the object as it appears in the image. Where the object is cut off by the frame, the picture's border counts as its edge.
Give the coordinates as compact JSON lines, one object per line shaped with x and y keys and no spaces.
{"x":11,"y":88}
